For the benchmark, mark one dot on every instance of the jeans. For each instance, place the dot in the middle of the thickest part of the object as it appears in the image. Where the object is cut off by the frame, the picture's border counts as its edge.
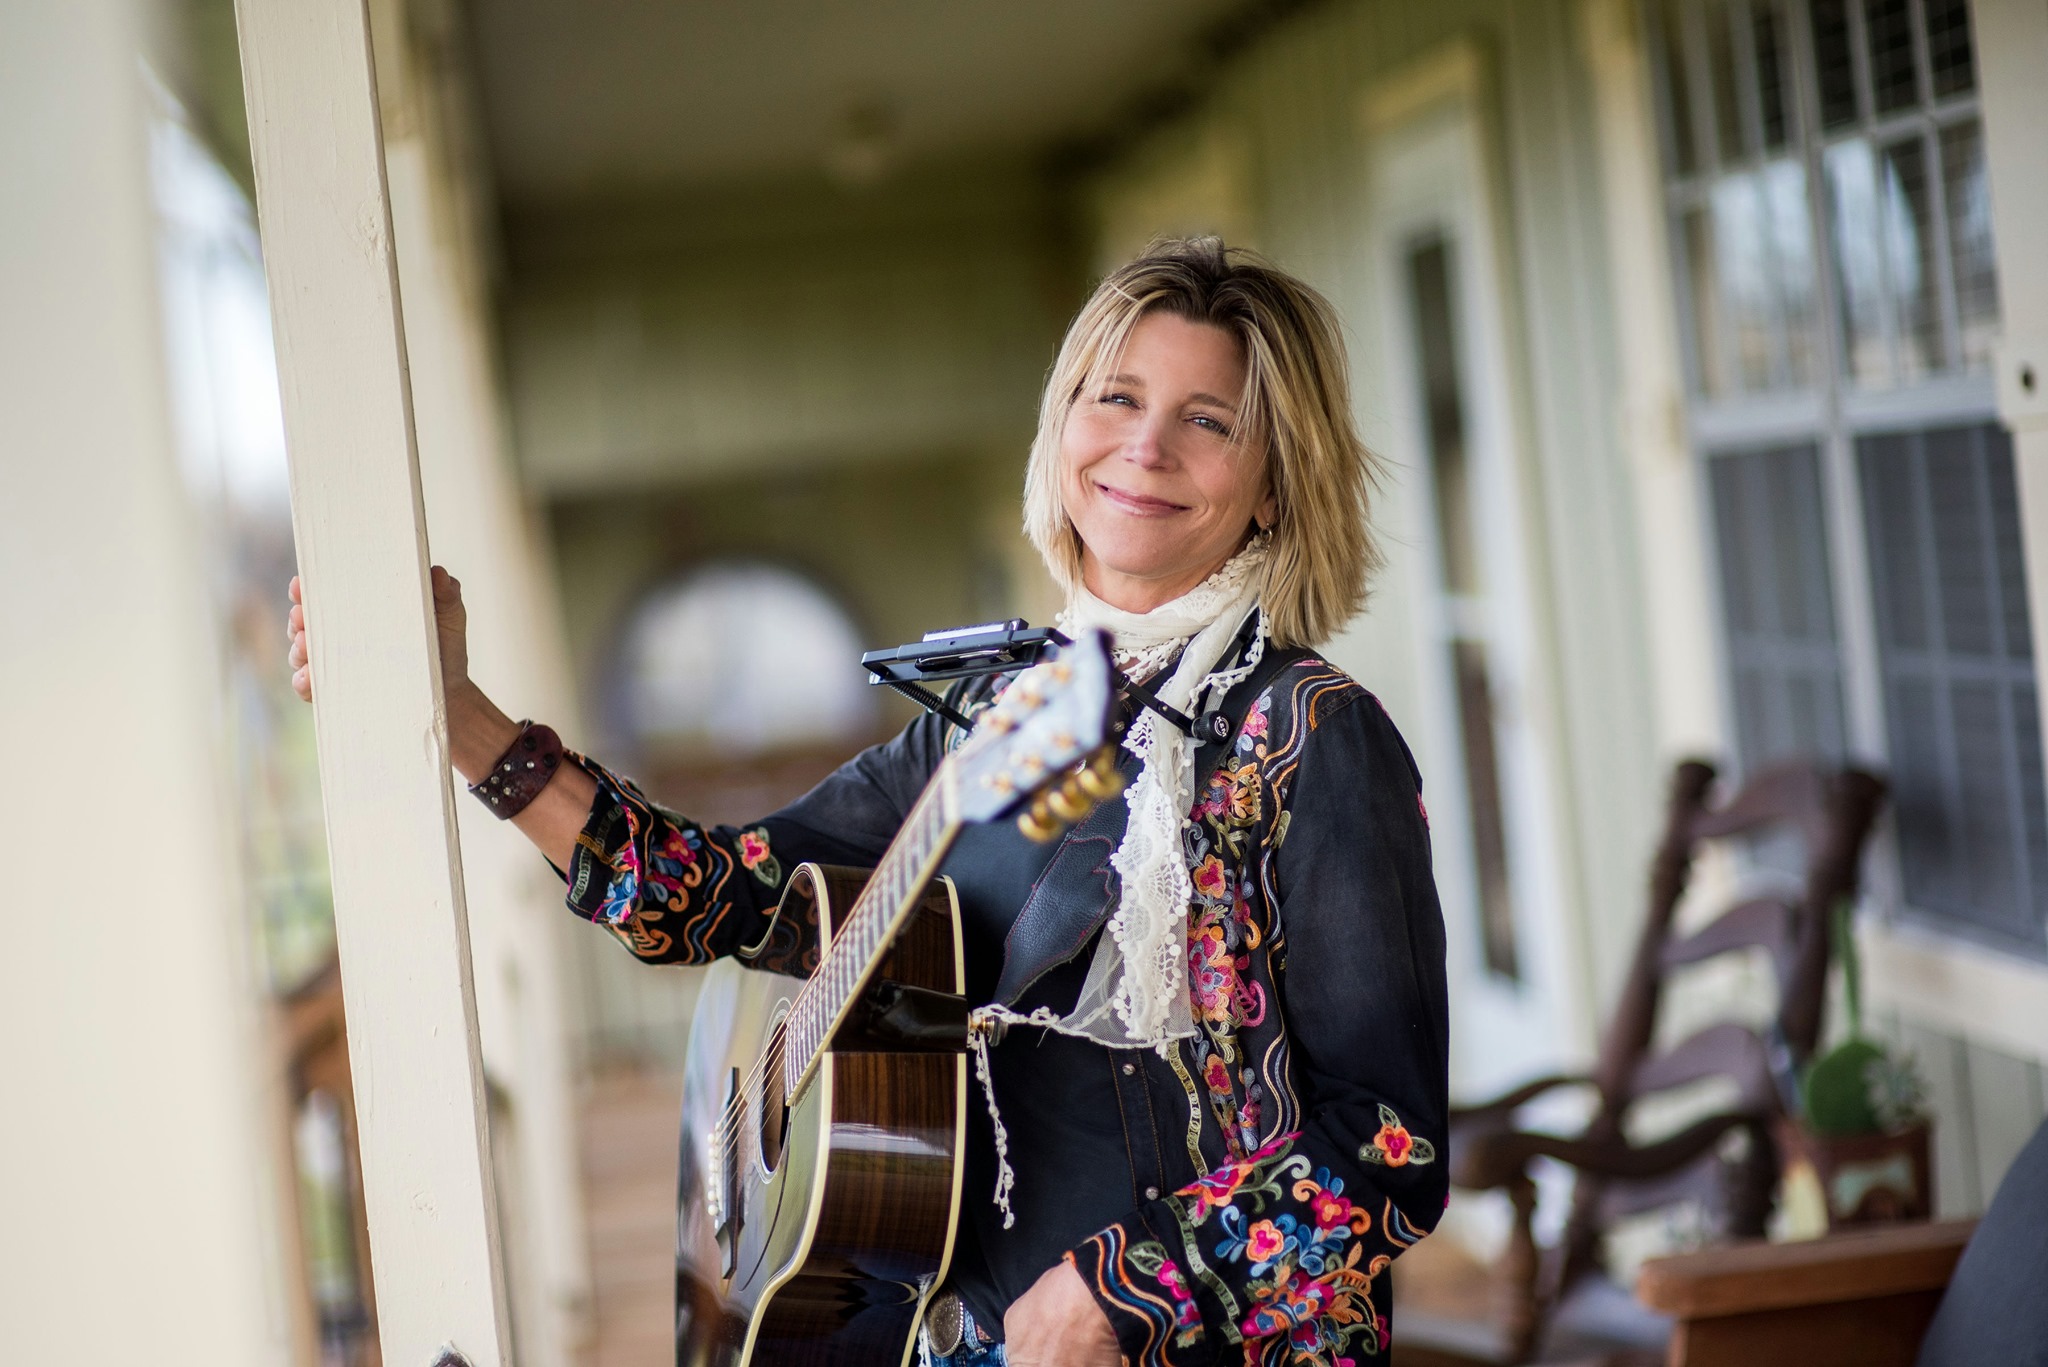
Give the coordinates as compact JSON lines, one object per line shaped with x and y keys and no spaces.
{"x":972,"y":1352}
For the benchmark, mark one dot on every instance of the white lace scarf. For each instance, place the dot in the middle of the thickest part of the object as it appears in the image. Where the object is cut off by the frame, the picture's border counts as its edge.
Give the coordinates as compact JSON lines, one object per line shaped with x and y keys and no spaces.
{"x":1136,"y":992}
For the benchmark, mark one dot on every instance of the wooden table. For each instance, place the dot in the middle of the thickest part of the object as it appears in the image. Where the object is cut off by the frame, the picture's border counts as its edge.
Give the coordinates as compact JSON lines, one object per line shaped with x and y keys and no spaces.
{"x":1861,"y":1298}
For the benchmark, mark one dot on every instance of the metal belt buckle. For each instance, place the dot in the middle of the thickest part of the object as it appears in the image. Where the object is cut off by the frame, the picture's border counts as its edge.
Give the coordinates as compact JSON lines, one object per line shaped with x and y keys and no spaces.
{"x":945,"y":1324}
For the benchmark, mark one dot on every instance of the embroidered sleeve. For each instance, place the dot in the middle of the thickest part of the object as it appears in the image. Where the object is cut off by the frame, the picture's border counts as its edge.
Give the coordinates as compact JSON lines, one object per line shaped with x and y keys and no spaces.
{"x":1280,"y":1251}
{"x":674,"y":891}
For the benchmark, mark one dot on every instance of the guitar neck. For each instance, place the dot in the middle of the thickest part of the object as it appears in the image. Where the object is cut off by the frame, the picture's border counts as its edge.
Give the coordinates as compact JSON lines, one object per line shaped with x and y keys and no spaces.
{"x":864,"y":934}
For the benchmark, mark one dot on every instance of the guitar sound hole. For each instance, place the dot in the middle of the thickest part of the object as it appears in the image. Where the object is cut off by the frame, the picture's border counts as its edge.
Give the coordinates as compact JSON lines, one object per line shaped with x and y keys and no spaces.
{"x":774,"y":1119}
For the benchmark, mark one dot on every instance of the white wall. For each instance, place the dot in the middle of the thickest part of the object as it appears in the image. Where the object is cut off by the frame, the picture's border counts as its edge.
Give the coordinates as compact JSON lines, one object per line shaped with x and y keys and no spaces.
{"x":137,"y":1165}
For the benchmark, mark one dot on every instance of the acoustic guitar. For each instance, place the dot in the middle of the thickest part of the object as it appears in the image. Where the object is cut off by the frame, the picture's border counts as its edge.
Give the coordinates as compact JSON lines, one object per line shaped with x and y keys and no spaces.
{"x":824,"y":1118}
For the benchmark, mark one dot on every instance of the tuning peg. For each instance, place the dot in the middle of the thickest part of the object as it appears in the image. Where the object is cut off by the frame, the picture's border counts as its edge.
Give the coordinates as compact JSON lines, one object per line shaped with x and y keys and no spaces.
{"x":1068,"y":802}
{"x":1038,"y":823}
{"x":1101,"y":779}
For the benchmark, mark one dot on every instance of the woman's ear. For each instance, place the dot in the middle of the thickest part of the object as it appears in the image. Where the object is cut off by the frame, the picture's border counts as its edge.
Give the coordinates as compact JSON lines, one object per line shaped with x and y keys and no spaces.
{"x":1268,"y":512}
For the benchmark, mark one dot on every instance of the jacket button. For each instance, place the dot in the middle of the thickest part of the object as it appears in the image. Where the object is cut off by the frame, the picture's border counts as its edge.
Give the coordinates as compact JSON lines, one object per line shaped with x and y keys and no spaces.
{"x":1130,"y":1068}
{"x":1151,"y":1193}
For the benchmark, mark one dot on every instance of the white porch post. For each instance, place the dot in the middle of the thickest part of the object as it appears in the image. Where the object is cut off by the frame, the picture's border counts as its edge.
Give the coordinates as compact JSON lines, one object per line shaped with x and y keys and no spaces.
{"x":399,"y":914}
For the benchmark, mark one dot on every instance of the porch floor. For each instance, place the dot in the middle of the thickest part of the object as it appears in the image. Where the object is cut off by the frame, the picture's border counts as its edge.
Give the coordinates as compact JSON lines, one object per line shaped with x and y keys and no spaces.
{"x":628,"y":1125}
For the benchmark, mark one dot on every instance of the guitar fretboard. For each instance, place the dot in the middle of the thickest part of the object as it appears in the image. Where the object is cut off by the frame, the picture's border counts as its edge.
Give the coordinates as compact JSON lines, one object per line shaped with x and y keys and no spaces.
{"x":867,"y":929}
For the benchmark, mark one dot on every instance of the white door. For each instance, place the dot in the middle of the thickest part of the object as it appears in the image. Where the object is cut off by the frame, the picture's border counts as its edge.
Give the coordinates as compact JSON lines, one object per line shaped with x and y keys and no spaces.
{"x":1438,"y":244}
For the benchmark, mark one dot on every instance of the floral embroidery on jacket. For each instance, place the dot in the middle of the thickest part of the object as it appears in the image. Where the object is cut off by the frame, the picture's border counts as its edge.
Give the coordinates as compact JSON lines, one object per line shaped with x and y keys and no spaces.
{"x":1151,"y":1257}
{"x":1224,"y":996}
{"x":668,"y":888}
{"x":1282,"y":1242}
{"x":758,"y":858}
{"x":1393,"y":1146}
{"x":1311,"y":1283}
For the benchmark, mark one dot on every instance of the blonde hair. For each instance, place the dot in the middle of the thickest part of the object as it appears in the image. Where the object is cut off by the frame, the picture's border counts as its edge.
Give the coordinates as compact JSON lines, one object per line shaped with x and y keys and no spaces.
{"x":1295,"y":414}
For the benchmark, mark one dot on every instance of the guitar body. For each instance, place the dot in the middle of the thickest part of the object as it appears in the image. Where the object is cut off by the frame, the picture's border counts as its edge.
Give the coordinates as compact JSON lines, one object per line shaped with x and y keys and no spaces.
{"x":821,"y":1238}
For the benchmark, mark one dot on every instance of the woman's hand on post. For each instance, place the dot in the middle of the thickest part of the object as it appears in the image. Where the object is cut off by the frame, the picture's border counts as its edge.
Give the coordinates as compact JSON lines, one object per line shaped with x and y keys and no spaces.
{"x":478,"y":733}
{"x":296,"y":656}
{"x":1058,"y":1324}
{"x":451,"y":626}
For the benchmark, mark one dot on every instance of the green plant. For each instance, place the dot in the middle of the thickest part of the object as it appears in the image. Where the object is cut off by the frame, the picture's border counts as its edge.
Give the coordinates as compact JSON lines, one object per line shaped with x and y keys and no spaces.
{"x":1858,"y":1087}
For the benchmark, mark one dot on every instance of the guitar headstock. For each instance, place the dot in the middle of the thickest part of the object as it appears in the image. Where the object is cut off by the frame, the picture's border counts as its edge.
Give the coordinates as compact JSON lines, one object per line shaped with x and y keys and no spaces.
{"x":1046,"y":743}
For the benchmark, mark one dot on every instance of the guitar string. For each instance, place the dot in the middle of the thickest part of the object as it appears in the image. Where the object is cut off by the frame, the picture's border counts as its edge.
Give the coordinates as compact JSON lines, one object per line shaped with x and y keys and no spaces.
{"x":868,"y":923}
{"x":871,"y":926}
{"x":775,"y":1054}
{"x":857,"y":917}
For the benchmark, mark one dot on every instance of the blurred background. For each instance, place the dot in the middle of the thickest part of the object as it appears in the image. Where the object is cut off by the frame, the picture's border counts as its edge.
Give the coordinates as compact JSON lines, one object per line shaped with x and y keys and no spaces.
{"x":1683,"y":328}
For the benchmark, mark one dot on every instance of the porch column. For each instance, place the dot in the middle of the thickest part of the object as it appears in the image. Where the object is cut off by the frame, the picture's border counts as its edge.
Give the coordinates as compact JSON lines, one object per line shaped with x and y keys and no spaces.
{"x":398,"y":900}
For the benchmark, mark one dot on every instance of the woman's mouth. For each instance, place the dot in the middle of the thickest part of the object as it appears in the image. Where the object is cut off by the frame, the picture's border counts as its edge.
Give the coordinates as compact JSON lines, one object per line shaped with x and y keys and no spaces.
{"x":1141,"y":505}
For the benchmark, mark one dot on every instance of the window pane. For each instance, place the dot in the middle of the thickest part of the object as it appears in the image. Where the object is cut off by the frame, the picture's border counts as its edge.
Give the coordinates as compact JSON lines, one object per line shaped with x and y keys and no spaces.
{"x":1966,"y":189}
{"x":1774,"y":103}
{"x":1948,"y":47}
{"x":1899,"y":581}
{"x":1789,"y":230}
{"x":1747,"y":276}
{"x":1432,"y":300}
{"x":1941,"y":513}
{"x":1883,"y":246}
{"x":1859,"y":267}
{"x":1987,"y":810}
{"x":1772,"y":542}
{"x":1677,"y":88}
{"x":1721,"y":66}
{"x":1907,"y":224}
{"x":1429,"y":284}
{"x":1888,"y":24}
{"x":1957,"y":528}
{"x":1834,"y":67}
{"x":1489,"y":823}
{"x":1708,"y":330}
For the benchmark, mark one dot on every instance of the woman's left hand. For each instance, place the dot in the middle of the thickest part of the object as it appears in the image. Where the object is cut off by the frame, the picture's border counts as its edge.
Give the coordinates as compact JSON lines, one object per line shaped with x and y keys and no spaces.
{"x":1058,"y":1324}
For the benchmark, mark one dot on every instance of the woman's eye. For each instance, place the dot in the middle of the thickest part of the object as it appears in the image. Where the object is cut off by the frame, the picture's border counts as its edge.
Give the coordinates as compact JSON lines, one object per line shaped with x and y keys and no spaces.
{"x":1118,"y":397}
{"x":1215,"y":425}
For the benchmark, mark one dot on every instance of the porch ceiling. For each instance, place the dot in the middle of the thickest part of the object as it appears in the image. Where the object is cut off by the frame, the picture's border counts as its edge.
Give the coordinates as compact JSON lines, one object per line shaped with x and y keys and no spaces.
{"x":624,"y":97}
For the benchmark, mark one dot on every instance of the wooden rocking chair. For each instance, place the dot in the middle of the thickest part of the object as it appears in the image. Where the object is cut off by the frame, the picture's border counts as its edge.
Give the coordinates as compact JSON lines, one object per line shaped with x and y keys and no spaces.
{"x":1830,"y":811}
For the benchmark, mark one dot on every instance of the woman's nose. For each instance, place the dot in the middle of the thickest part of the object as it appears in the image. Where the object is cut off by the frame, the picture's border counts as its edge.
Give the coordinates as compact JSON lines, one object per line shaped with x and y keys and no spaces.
{"x":1149,"y":447}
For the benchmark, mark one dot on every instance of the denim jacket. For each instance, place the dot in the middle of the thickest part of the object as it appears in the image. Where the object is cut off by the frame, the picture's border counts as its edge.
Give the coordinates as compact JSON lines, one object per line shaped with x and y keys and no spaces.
{"x":1237,"y":1197}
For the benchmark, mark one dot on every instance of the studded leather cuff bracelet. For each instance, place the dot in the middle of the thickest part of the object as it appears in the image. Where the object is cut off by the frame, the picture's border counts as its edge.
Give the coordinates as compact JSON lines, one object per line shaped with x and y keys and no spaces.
{"x":522,"y":771}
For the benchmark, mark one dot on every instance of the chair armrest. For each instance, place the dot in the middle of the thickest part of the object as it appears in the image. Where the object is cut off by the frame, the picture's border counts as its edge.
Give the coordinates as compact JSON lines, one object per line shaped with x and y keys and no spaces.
{"x":1743,"y":1279}
{"x":1493,"y":1160}
{"x":1507,"y":1103}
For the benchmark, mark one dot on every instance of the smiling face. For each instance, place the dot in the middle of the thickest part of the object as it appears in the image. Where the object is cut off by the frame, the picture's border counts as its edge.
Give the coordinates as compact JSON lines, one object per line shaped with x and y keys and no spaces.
{"x":1151,"y":472}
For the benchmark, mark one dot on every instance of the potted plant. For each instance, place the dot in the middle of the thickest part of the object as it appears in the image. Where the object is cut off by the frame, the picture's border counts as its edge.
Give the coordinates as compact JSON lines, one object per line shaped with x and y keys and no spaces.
{"x":1864,"y":1126}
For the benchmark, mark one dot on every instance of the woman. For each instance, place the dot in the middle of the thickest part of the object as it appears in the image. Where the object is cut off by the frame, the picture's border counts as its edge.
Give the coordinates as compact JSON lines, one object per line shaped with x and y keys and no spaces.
{"x":1227,"y":1119}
